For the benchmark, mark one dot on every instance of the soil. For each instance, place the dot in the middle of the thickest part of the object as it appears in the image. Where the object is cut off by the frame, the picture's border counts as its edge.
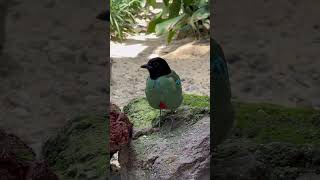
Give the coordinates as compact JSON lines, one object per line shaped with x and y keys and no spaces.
{"x":53,"y":67}
{"x":272,"y":48}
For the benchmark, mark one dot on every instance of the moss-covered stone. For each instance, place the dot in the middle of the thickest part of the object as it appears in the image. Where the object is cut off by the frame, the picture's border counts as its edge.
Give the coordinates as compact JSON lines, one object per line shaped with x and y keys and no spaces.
{"x":79,"y":151}
{"x":12,"y":143}
{"x":266,"y":123}
{"x":244,"y":159}
{"x":144,"y":116}
{"x":278,"y":142}
{"x":160,"y":155}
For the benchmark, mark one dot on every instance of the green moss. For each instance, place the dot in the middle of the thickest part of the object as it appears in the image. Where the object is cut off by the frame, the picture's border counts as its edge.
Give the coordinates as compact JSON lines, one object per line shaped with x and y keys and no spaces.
{"x":23,"y":153}
{"x":13,"y":143}
{"x":79,"y":151}
{"x":144,"y":116}
{"x":268,"y":123}
{"x":196,"y":101}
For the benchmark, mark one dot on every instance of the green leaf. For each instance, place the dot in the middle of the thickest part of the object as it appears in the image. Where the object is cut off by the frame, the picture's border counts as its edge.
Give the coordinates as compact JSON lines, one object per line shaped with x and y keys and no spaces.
{"x":202,"y":3}
{"x":187,"y":2}
{"x":174,"y":8}
{"x":206,"y":23}
{"x":170,"y":35}
{"x":200,"y":14}
{"x":152,"y":3}
{"x":168,"y":25}
{"x":166,"y":3}
{"x":152,"y":24}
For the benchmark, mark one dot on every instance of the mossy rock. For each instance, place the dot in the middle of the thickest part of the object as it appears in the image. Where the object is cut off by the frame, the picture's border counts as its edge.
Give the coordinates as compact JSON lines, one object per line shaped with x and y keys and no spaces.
{"x":162,"y":154}
{"x":245,"y":159}
{"x":20,"y":149}
{"x":143,"y":116}
{"x":266,"y":123}
{"x":79,"y":150}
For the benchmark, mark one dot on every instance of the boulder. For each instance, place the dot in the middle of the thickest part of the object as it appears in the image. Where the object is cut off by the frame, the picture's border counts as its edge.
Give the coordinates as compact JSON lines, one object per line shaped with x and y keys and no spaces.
{"x":180,"y":150}
{"x":80,"y":149}
{"x":270,"y":142}
{"x":120,"y":129}
{"x":18,"y":161}
{"x":245,"y":160}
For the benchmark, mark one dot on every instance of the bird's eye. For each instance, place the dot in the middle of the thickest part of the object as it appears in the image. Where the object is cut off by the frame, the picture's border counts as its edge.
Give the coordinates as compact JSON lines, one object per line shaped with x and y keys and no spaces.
{"x":156,"y":64}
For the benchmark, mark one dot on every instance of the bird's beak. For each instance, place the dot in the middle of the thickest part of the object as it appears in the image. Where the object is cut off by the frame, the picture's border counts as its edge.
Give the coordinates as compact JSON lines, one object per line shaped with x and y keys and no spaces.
{"x":146,"y":66}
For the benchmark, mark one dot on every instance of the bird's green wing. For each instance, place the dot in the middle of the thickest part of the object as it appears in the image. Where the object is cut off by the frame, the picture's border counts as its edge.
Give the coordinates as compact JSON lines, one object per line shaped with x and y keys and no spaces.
{"x":166,"y":89}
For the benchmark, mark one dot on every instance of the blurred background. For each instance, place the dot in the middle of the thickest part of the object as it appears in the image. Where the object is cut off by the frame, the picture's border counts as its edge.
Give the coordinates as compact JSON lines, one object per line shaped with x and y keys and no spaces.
{"x":272,"y":48}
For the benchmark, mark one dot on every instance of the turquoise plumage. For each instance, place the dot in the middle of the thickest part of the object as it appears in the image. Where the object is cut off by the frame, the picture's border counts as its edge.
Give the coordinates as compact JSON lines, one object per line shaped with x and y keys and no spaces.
{"x":163,"y":86}
{"x":164,"y":91}
{"x":221,"y":107}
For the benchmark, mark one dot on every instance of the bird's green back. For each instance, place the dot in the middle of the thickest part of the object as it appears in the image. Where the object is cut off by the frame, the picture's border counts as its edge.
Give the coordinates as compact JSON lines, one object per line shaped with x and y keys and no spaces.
{"x":166,"y":89}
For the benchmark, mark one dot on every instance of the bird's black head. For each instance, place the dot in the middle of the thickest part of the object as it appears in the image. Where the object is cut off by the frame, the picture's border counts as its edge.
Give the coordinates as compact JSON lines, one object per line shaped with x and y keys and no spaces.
{"x":157,"y":67}
{"x":104,"y":16}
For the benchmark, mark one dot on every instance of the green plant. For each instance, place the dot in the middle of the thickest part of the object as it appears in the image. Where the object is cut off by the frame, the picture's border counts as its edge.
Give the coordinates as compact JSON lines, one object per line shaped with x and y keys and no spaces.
{"x":180,"y":15}
{"x":122,"y":17}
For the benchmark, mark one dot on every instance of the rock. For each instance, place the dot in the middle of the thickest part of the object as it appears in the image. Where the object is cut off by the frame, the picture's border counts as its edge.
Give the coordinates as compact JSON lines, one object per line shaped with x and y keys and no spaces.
{"x":40,"y":170}
{"x":265,"y":123}
{"x":269,"y":142}
{"x":309,"y":176}
{"x":120,"y":129}
{"x":10,"y":167}
{"x":245,"y":160}
{"x":233,"y":160}
{"x":180,"y":153}
{"x":80,"y":149}
{"x":17,"y":161}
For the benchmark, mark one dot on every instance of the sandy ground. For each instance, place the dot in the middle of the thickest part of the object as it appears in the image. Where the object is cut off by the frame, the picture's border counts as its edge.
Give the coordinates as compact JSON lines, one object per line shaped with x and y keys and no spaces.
{"x":273,"y":48}
{"x":188,"y":57}
{"x":53,"y":67}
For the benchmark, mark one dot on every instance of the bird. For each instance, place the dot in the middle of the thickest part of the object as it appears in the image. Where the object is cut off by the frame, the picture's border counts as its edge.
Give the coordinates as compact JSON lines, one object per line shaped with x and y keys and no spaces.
{"x":163,"y":86}
{"x":221,"y":106}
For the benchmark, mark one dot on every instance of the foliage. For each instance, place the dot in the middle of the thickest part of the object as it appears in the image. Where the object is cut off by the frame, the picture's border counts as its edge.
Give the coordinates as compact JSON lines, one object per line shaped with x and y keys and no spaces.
{"x":122,"y":16}
{"x":180,"y":15}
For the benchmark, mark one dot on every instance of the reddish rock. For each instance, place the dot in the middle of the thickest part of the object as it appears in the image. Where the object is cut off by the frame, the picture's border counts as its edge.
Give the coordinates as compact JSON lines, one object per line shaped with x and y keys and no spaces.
{"x":10,"y":167}
{"x":120,"y":129}
{"x":17,"y":161}
{"x":40,"y":170}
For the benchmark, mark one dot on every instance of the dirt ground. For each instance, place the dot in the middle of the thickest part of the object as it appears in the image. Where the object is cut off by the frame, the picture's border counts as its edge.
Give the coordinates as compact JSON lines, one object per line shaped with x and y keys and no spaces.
{"x":53,"y":67}
{"x":273,"y":48}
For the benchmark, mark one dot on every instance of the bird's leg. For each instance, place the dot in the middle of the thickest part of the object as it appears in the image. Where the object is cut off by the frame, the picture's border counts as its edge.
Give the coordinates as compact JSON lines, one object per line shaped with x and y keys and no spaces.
{"x":171,"y":125}
{"x":160,"y":119}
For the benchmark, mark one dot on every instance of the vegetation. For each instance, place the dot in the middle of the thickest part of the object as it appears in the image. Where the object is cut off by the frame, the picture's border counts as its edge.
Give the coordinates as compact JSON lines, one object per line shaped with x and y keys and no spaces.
{"x":175,"y":17}
{"x":180,"y":15}
{"x":122,"y":17}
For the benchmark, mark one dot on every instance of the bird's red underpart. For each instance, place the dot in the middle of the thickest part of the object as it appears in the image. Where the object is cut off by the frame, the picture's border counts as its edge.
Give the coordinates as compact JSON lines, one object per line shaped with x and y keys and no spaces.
{"x":162,"y":105}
